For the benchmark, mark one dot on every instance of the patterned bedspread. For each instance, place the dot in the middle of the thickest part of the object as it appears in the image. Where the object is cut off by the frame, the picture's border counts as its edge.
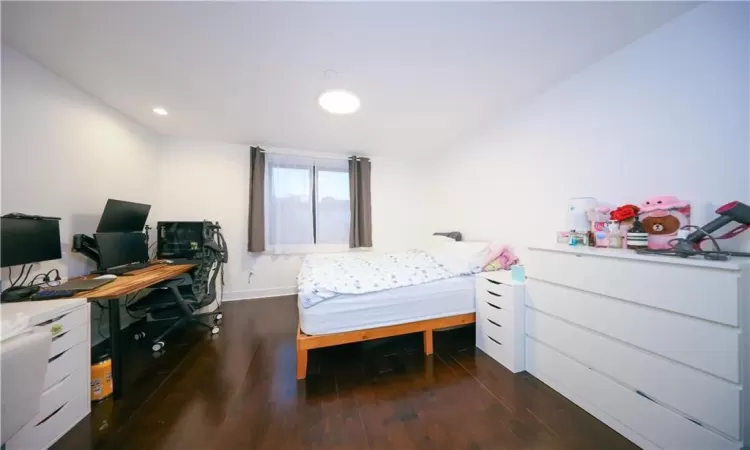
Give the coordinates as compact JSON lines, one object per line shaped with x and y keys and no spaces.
{"x":323,"y":277}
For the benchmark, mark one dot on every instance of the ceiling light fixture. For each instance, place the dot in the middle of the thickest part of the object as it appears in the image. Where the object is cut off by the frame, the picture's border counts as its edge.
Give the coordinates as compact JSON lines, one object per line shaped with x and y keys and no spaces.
{"x":339,"y":101}
{"x":160,"y":111}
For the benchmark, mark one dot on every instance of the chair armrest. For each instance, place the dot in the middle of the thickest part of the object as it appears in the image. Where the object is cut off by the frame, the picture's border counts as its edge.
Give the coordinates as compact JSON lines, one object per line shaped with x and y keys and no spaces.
{"x":172,"y":282}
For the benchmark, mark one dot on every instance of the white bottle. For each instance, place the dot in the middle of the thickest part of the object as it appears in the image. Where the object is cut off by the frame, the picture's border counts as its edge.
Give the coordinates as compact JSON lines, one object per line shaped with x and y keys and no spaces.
{"x":615,"y":240}
{"x":578,"y":208}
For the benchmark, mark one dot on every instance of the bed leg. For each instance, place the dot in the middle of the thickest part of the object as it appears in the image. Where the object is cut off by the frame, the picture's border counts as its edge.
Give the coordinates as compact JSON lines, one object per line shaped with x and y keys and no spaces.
{"x":428,"y":342}
{"x":301,"y":364}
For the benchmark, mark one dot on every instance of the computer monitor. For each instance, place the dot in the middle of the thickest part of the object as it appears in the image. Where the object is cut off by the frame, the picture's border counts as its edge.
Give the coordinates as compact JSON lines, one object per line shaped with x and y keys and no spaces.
{"x":123,"y":217}
{"x":29,"y":240}
{"x":119,"y":249}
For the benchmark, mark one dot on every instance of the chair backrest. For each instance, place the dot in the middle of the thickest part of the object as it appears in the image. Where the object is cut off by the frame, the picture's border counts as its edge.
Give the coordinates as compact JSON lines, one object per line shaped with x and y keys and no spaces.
{"x":204,"y":277}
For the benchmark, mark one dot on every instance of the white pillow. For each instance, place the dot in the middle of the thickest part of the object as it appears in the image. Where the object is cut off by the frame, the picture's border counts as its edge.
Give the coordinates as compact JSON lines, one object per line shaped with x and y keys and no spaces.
{"x":433,"y":242}
{"x":464,"y":257}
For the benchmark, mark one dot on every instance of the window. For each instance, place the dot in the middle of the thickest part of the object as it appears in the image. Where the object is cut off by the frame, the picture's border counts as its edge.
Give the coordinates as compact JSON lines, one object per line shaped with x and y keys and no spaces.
{"x":307,"y":201}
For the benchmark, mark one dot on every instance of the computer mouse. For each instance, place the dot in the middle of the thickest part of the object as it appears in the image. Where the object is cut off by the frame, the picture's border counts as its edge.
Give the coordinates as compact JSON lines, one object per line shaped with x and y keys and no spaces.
{"x":107,"y":276}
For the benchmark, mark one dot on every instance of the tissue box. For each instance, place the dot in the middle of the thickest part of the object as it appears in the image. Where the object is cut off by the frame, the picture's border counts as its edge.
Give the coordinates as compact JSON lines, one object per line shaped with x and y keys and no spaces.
{"x":518,"y":273}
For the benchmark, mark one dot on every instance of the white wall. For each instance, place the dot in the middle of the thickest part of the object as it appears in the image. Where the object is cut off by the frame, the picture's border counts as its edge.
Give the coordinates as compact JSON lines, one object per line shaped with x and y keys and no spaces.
{"x":64,"y":153}
{"x":208,"y":180}
{"x":666,"y":115}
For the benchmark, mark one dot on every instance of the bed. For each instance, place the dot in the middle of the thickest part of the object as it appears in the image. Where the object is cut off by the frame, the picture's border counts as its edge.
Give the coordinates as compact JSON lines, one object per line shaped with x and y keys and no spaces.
{"x":407,"y":294}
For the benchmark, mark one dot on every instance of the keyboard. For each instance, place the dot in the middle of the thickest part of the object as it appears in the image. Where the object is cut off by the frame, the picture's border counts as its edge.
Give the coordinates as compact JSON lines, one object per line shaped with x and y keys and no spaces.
{"x":125,"y":269}
{"x":51,"y":295}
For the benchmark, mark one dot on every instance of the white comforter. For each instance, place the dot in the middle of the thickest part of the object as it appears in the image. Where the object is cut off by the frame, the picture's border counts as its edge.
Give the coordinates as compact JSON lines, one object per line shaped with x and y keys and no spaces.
{"x":323,"y":277}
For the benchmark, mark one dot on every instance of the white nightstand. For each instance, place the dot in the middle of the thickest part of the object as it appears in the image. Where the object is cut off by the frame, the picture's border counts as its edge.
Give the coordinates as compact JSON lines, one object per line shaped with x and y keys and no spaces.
{"x":500,"y":318}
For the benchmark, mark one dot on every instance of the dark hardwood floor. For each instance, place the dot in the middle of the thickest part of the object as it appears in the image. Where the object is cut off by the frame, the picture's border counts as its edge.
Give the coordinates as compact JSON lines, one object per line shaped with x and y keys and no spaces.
{"x":238,"y":391}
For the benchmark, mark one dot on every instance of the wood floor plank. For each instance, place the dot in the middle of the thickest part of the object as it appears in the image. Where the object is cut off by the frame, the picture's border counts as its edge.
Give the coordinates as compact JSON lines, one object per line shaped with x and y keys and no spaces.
{"x":529,"y":400}
{"x":239,"y":391}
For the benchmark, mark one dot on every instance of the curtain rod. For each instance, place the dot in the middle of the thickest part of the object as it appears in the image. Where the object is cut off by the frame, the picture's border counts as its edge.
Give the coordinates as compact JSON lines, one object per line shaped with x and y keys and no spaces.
{"x":303,"y":153}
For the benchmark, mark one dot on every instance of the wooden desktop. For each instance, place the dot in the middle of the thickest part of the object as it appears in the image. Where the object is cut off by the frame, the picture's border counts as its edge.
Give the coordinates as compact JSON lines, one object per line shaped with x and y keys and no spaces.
{"x":117,"y":290}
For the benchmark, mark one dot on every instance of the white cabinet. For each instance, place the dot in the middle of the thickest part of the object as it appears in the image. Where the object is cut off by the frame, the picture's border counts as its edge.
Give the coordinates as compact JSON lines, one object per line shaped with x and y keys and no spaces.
{"x":66,"y":397}
{"x":500,"y":324}
{"x":655,"y":347}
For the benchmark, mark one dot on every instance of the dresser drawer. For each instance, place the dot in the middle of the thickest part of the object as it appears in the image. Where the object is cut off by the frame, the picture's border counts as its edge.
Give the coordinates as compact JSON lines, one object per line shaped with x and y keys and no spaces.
{"x":496,"y":290}
{"x":67,"y":362}
{"x":501,"y":301}
{"x":707,"y":293}
{"x":493,"y":310}
{"x":654,"y":423}
{"x":669,"y":383}
{"x":64,"y":322}
{"x":45,"y":430}
{"x":67,"y":339}
{"x":74,"y":384}
{"x":498,"y":350}
{"x":703,"y":345}
{"x":503,"y":333}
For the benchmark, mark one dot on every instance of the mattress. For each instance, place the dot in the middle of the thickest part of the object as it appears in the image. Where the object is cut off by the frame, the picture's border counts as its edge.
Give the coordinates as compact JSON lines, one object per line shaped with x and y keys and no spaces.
{"x":441,"y":298}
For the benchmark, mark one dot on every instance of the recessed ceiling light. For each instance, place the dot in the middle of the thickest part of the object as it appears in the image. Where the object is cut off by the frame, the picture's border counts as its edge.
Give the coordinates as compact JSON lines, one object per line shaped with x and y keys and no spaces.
{"x":338,"y":101}
{"x":160,"y":111}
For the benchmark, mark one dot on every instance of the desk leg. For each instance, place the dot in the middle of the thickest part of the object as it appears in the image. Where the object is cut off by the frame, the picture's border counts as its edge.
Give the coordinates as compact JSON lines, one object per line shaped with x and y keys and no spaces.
{"x":115,"y":344}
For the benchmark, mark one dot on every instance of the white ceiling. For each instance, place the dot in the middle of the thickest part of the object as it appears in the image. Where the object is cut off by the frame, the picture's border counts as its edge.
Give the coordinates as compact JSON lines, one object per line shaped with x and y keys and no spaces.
{"x":426,"y":73}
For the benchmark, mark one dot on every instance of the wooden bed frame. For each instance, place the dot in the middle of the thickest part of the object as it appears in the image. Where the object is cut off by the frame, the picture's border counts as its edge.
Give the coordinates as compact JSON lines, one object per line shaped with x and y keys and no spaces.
{"x":307,"y":342}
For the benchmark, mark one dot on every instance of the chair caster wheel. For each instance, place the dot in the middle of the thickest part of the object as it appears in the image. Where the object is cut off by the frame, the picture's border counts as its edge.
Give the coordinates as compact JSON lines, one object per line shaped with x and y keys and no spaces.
{"x":215,"y":330}
{"x":218,"y":316}
{"x":139,"y":336}
{"x":157,"y":347}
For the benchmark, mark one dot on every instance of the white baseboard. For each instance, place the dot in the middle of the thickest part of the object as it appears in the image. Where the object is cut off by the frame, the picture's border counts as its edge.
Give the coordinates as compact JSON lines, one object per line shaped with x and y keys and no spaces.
{"x":259,"y":293}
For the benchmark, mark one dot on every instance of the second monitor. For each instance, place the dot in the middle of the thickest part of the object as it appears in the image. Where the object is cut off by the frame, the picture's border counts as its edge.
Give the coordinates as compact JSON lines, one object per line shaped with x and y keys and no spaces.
{"x":120,"y":216}
{"x":119,"y":249}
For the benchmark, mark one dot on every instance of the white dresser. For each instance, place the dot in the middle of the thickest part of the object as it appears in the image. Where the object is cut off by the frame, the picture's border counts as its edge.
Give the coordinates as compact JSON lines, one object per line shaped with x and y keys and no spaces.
{"x":656,"y":347}
{"x":500,"y":324}
{"x":66,"y":396}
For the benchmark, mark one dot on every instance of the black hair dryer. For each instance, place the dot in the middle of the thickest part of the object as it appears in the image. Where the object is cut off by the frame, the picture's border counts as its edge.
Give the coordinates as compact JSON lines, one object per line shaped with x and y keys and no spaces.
{"x":731,"y":212}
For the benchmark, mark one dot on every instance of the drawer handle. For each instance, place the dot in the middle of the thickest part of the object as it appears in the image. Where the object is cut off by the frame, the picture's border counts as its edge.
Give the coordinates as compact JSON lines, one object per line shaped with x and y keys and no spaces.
{"x":58,"y":355}
{"x":494,"y":340}
{"x":54,"y":338}
{"x":493,"y":281}
{"x":47,"y":322}
{"x":496,"y":295}
{"x":494,"y":306}
{"x":53,"y":413}
{"x":58,"y":383}
{"x":494,"y":323}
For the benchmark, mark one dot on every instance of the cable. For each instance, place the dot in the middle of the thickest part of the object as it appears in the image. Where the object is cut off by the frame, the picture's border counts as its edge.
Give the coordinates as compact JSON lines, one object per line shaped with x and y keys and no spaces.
{"x":28,"y":272}
{"x":15,"y":282}
{"x":46,"y":278}
{"x":58,"y":278}
{"x":128,"y":302}
{"x":10,"y":276}
{"x":706,"y":236}
{"x":101,"y":314}
{"x":23,"y":267}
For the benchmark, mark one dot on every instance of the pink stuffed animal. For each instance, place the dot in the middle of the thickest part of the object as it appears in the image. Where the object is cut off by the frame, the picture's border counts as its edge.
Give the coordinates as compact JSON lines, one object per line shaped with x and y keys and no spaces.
{"x":662,"y":217}
{"x":500,"y":258}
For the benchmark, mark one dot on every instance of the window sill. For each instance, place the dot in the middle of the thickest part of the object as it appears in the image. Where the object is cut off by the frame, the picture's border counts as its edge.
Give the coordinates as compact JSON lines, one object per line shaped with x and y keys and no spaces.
{"x":313,"y":249}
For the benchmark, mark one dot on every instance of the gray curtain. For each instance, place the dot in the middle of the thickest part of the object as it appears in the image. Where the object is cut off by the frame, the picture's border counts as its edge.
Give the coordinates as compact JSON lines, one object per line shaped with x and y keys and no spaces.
{"x":256,"y":232}
{"x":360,"y":229}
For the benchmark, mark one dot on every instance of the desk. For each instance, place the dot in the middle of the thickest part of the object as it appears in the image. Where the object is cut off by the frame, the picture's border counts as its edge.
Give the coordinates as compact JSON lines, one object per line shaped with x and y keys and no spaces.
{"x":113,"y":292}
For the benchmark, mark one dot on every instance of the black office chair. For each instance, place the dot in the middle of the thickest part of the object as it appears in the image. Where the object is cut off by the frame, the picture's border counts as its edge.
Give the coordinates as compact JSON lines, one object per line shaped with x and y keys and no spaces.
{"x":180,"y":298}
